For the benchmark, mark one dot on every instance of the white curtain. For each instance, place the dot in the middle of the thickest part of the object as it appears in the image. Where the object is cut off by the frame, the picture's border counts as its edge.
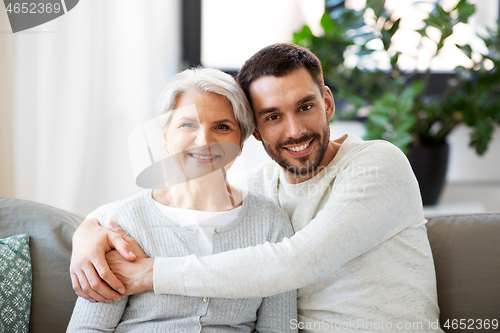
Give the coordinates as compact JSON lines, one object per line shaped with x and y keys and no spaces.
{"x":72,"y":90}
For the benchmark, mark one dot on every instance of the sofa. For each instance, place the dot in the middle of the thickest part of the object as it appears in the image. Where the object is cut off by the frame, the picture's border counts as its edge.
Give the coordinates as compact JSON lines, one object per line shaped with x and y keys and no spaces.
{"x":466,"y":251}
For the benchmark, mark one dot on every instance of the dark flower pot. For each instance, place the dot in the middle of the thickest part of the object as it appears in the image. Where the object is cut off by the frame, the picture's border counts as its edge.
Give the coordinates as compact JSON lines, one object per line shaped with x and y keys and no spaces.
{"x":429,"y":163}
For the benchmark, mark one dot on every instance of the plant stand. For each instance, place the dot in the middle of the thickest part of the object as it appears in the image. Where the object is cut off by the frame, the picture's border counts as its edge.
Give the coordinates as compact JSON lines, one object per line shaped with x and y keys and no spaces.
{"x":429,"y":163}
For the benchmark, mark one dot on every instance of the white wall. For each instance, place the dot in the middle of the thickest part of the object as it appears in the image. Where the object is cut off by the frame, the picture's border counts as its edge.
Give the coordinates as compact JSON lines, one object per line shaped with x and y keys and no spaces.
{"x":466,"y":166}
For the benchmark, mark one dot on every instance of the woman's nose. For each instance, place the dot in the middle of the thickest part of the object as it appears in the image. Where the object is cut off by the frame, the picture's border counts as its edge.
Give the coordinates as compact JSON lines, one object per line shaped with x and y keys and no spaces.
{"x":202,"y":138}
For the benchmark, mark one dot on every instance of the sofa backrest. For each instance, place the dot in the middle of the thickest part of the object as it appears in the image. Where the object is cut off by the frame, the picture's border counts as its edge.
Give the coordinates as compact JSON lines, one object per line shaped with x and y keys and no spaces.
{"x":50,"y":230}
{"x":466,"y":250}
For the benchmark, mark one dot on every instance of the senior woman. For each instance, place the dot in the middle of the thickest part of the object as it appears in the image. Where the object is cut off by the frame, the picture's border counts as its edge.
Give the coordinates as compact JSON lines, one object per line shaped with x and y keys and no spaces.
{"x":205,"y":120}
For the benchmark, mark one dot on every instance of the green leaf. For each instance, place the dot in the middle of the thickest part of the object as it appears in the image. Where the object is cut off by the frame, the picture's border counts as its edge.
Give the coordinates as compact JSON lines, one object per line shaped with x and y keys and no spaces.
{"x":422,"y":32}
{"x":395,"y":27}
{"x":442,"y":15}
{"x":303,"y":37}
{"x":407,"y":124}
{"x":378,"y":6}
{"x":363,"y":52}
{"x":373,"y":132}
{"x":327,"y":23}
{"x":460,"y":4}
{"x":465,"y":49}
{"x":394,"y":59}
{"x":401,"y":140}
{"x":378,"y":119}
{"x":465,"y":11}
{"x":481,"y":136}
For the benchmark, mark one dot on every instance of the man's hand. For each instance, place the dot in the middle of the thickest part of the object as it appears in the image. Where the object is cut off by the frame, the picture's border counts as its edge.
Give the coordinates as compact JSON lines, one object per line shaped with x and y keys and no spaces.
{"x":137,"y":276}
{"x":88,"y":262}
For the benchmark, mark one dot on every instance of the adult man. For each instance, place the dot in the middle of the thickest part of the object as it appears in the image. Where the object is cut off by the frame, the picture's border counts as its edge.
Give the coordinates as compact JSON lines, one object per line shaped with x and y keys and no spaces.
{"x":360,"y":255}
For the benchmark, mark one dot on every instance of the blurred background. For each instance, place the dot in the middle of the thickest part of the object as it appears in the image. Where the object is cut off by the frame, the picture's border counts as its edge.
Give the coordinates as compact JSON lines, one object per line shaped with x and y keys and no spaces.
{"x":73,"y":89}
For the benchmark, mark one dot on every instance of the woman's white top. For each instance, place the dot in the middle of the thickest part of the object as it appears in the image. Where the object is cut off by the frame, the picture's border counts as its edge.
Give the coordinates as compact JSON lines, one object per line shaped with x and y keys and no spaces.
{"x":203,"y":222}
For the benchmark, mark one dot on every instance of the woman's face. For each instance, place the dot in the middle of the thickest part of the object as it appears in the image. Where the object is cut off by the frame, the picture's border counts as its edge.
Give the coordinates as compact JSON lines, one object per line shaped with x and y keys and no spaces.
{"x":203,"y":134}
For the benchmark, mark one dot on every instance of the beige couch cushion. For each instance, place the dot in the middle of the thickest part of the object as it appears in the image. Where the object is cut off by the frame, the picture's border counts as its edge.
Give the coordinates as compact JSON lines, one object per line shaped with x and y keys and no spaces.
{"x":466,"y":250}
{"x":50,"y":232}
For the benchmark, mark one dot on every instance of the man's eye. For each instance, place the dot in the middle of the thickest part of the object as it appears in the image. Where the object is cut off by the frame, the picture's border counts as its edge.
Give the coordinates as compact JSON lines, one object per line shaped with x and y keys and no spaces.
{"x":272,"y":117}
{"x":306,"y":107}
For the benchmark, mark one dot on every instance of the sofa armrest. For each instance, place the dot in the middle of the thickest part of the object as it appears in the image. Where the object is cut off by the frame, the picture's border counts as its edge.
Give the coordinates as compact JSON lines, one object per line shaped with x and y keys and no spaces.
{"x":466,"y":250}
{"x":50,"y":230}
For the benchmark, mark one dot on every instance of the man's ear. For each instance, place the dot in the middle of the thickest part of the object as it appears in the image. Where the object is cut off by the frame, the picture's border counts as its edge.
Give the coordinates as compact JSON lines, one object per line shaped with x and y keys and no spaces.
{"x":329,"y":104}
{"x":256,"y":134}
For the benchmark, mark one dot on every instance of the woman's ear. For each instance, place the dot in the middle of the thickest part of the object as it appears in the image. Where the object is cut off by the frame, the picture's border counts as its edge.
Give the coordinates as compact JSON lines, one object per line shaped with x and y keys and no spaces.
{"x":165,"y":142}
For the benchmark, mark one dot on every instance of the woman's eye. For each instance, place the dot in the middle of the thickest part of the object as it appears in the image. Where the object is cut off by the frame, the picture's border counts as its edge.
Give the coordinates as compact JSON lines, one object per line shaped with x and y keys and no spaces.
{"x":188,"y":126}
{"x":306,"y":107}
{"x":222,"y":127}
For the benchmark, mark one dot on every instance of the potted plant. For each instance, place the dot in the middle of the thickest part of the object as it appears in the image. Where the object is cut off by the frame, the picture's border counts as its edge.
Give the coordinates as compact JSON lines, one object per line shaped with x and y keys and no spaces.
{"x":401,"y":106}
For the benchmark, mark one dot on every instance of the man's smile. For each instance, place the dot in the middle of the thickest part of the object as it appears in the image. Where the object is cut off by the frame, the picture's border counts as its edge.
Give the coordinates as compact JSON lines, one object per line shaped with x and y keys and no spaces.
{"x":300,"y":149}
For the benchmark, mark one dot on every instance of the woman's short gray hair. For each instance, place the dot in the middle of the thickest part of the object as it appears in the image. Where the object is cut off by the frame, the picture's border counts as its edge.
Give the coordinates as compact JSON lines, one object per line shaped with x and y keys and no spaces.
{"x":203,"y":79}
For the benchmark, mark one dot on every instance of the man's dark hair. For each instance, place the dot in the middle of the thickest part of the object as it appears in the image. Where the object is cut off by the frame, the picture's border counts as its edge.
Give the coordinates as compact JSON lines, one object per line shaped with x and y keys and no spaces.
{"x":279,"y":60}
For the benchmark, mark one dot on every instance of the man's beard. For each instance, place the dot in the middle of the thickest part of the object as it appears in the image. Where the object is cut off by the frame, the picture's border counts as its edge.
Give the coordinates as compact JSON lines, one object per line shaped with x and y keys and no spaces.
{"x":306,"y":166}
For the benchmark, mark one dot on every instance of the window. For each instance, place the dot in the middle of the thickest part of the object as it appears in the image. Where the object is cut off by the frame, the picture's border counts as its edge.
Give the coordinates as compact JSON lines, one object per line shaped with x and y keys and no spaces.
{"x":232,"y":31}
{"x":224,"y":33}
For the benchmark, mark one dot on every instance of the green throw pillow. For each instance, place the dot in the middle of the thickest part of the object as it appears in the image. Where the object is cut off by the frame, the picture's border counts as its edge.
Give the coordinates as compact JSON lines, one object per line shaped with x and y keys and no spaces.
{"x":15,"y":284}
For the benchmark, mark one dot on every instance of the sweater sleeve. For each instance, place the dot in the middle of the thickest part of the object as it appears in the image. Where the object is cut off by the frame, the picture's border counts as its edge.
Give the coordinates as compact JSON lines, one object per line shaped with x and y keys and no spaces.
{"x":98,"y":212}
{"x":277,"y":313}
{"x":96,"y":317}
{"x":361,"y":212}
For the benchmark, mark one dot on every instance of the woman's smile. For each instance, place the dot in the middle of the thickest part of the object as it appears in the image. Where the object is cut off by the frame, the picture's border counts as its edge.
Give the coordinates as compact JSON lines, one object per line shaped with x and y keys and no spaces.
{"x":204,"y":158}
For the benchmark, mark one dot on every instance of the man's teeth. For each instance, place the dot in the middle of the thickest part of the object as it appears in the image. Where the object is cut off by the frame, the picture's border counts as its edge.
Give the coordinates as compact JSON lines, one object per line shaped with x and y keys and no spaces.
{"x":300,"y":148}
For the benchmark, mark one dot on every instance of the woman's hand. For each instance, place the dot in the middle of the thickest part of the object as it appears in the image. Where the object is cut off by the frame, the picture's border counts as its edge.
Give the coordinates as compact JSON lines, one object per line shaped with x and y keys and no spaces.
{"x":90,"y":274}
{"x":137,"y":276}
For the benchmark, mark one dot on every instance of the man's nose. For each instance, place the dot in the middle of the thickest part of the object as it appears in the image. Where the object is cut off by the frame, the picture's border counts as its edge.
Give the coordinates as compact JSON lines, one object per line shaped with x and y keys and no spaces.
{"x":295,"y":128}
